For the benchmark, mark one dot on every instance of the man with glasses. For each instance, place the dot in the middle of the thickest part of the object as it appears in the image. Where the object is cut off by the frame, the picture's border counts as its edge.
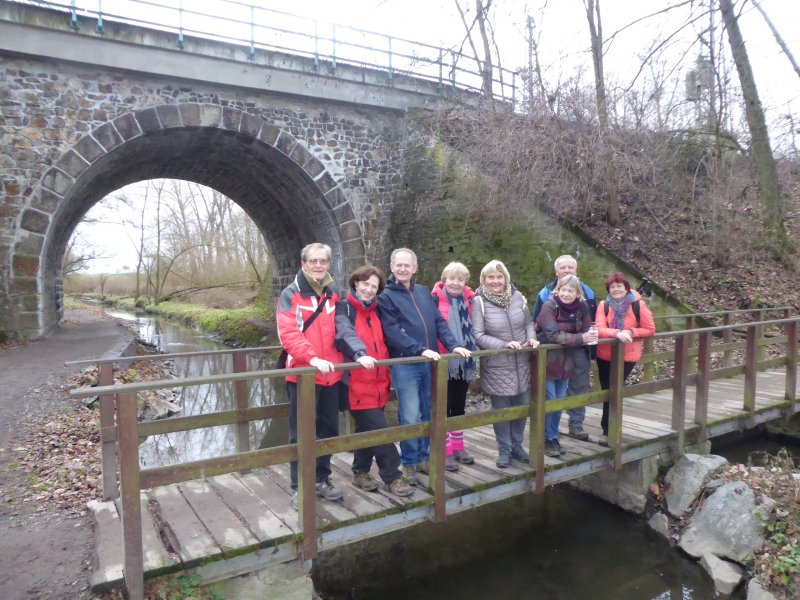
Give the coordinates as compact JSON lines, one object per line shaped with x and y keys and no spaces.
{"x":305,"y":318}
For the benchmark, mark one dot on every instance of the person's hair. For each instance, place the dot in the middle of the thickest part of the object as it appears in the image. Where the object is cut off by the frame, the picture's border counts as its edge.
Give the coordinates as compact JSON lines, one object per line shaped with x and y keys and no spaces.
{"x":315,"y":246}
{"x":571,"y":281}
{"x":455,"y":269}
{"x":564,"y":257}
{"x":495,"y":266}
{"x":397,"y":251}
{"x":618,"y":278}
{"x":364,"y":273}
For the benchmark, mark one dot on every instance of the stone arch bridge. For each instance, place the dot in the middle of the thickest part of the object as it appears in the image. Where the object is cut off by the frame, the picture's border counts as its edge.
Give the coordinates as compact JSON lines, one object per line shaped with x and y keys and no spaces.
{"x":307,"y":156}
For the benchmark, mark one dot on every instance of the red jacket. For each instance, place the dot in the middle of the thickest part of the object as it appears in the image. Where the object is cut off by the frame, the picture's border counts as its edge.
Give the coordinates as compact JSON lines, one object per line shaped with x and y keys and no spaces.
{"x":646,"y":328}
{"x":296,"y":304}
{"x":440,"y":297}
{"x":368,"y":388}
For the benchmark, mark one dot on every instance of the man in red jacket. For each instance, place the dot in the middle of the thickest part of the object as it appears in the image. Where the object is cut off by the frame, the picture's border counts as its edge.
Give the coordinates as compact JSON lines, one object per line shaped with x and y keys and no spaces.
{"x":306,"y":320}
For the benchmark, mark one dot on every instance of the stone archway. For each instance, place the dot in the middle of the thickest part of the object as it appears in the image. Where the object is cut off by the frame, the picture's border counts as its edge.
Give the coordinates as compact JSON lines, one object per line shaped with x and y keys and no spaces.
{"x":265,"y":169}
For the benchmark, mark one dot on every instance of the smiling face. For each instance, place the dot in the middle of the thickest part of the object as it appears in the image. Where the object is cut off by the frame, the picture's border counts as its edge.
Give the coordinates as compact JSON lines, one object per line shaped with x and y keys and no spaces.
{"x":316,"y":263}
{"x":566,"y":267}
{"x":496,"y":282}
{"x":617,"y":290}
{"x":368,"y":289}
{"x":403,"y":268}
{"x":454,"y":284}
{"x":567,"y":294}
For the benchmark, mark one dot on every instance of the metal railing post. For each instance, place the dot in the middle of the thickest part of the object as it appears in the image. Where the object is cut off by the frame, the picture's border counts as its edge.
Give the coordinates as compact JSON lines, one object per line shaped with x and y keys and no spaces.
{"x":333,"y":49}
{"x":99,"y":28}
{"x":791,"y":365}
{"x":132,"y":550}
{"x":179,"y":43}
{"x":679,"y":389}
{"x":391,"y":71}
{"x":703,"y":379}
{"x":307,"y":462}
{"x":241,"y":392}
{"x":441,"y":69}
{"x":616,"y":382}
{"x":73,"y":17}
{"x":437,"y":438}
{"x":513,"y":91}
{"x":537,"y":414}
{"x":252,"y":54}
{"x":109,"y":448}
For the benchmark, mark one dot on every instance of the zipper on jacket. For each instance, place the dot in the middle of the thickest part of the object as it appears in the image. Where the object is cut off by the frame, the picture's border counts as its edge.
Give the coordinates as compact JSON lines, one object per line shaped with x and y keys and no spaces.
{"x":421,"y":318}
{"x":516,"y":356}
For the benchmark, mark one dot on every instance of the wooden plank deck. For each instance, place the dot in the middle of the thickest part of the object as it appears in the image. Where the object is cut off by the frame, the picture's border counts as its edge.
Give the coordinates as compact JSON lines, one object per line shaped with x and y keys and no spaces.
{"x":242,"y":522}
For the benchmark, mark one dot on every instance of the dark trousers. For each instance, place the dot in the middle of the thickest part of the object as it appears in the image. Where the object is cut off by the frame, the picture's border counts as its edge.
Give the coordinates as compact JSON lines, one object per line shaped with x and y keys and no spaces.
{"x":604,"y":375}
{"x":327,"y":400}
{"x":456,"y":396}
{"x":386,"y":455}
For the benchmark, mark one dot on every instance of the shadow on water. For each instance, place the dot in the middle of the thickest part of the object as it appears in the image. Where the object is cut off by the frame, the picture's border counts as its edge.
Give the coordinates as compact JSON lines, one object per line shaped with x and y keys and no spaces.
{"x":183,"y":446}
{"x":559,"y":545}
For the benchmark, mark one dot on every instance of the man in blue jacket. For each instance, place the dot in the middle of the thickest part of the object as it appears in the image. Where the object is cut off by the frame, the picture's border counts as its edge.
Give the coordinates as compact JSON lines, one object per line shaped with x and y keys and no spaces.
{"x":412,"y":324}
{"x":579,"y":383}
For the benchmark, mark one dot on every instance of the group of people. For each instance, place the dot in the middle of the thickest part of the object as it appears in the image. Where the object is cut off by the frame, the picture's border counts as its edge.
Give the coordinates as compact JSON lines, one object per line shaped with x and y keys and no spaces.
{"x":380,"y":318}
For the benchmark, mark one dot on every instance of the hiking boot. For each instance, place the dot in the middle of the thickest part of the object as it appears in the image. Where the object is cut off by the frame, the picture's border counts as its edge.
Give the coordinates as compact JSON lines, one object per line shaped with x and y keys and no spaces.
{"x":603,"y":440}
{"x":520,"y":455}
{"x":423,"y":467}
{"x":328,"y":491}
{"x":410,"y":475}
{"x":464,"y":457}
{"x":560,"y":447}
{"x":552,"y":449}
{"x":503,"y":460}
{"x":578,"y":433}
{"x":366,"y":482}
{"x":295,"y":500}
{"x":400,"y":487}
{"x":450,"y":464}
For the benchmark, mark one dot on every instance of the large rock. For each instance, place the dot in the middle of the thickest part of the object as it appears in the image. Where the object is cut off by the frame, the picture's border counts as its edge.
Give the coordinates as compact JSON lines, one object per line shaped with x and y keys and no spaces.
{"x":686,"y":479}
{"x":726,"y":576}
{"x":659,"y":523}
{"x":756,"y":591}
{"x":727,"y":525}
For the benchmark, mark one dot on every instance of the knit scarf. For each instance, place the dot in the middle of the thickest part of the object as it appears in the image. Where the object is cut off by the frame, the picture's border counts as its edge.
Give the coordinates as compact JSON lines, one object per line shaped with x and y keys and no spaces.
{"x":502,"y":300}
{"x":573,"y":307}
{"x":460,"y":326}
{"x":620,"y":309}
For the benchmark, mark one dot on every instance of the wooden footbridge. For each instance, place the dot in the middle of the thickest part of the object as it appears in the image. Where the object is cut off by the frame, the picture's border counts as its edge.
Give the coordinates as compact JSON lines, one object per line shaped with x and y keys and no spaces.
{"x":229,"y":515}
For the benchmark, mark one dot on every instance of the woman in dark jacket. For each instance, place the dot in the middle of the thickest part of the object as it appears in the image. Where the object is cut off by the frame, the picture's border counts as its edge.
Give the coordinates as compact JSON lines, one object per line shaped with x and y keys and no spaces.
{"x":501,"y":319}
{"x":564,"y":319}
{"x":359,"y":337}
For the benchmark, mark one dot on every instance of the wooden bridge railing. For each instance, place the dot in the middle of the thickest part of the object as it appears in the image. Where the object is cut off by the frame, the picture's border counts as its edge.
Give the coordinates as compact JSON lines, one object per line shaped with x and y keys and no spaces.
{"x":124,"y":430}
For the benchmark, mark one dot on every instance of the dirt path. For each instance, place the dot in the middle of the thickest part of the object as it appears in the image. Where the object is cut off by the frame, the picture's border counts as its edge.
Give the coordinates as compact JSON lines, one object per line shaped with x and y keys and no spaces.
{"x":45,"y":554}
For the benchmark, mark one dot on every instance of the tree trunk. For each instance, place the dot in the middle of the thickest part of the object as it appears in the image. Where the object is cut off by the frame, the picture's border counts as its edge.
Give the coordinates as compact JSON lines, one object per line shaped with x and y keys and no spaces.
{"x":769,"y":192}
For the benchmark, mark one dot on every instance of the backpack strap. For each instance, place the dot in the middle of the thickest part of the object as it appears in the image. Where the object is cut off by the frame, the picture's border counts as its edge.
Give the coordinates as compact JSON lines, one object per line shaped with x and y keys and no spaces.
{"x":634,"y":306}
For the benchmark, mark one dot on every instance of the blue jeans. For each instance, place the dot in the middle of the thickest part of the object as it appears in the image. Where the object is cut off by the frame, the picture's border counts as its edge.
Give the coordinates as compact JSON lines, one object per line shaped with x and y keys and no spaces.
{"x":412,"y":384}
{"x":553,"y":390}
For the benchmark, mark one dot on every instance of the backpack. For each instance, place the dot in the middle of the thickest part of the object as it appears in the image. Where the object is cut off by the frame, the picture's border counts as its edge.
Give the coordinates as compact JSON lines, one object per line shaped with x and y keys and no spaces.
{"x":634,"y":306}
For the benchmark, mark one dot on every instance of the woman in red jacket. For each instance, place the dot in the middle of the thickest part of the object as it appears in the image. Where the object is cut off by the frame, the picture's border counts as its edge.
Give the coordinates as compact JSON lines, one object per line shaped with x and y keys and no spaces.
{"x":359,"y":337}
{"x":622,"y":315}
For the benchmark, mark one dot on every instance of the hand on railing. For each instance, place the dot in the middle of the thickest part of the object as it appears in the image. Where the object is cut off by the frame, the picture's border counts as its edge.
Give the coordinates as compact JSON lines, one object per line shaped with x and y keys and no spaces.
{"x":514,"y":345}
{"x":432,"y":354}
{"x":366,"y":361}
{"x":625,"y":336}
{"x":462,"y":352}
{"x":531,"y":344}
{"x":321,"y":365}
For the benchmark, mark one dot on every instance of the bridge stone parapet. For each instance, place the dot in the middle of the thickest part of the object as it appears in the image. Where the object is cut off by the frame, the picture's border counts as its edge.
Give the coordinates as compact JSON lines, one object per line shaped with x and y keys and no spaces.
{"x":305,"y":168}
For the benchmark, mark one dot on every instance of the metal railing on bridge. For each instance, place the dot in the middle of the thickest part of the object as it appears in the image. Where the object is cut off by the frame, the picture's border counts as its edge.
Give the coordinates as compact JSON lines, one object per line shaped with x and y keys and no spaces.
{"x":121,"y":431}
{"x":327,"y":46}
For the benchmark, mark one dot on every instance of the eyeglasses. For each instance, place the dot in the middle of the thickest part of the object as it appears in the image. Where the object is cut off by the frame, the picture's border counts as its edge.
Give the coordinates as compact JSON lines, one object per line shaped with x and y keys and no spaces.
{"x":317,"y":261}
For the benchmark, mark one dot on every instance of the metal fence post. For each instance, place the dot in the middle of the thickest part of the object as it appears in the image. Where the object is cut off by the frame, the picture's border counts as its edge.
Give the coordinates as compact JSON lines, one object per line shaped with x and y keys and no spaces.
{"x":179,"y":43}
{"x":99,"y":29}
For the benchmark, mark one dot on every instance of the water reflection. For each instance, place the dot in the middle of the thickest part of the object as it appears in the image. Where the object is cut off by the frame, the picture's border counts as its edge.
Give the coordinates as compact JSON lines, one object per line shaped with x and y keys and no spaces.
{"x":183,"y":446}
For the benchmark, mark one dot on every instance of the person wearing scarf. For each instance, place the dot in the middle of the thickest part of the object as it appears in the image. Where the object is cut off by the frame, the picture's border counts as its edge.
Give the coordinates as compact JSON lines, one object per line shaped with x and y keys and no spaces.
{"x":501,"y":320}
{"x":616,"y":318}
{"x":565,"y":319}
{"x":454,"y":299}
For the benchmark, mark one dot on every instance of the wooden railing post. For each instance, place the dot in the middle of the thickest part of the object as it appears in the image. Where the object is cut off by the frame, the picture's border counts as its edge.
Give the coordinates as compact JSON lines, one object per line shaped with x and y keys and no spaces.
{"x":438,"y":431}
{"x":241,"y":391}
{"x":307,"y":462}
{"x":727,"y":338}
{"x":759,"y":316}
{"x":616,"y":382}
{"x":750,"y":370}
{"x":679,"y":389}
{"x":691,"y":364}
{"x":649,"y":367}
{"x":703,"y":379}
{"x":133,"y":558}
{"x":109,"y":448}
{"x":791,"y":365}
{"x":537,"y":413}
